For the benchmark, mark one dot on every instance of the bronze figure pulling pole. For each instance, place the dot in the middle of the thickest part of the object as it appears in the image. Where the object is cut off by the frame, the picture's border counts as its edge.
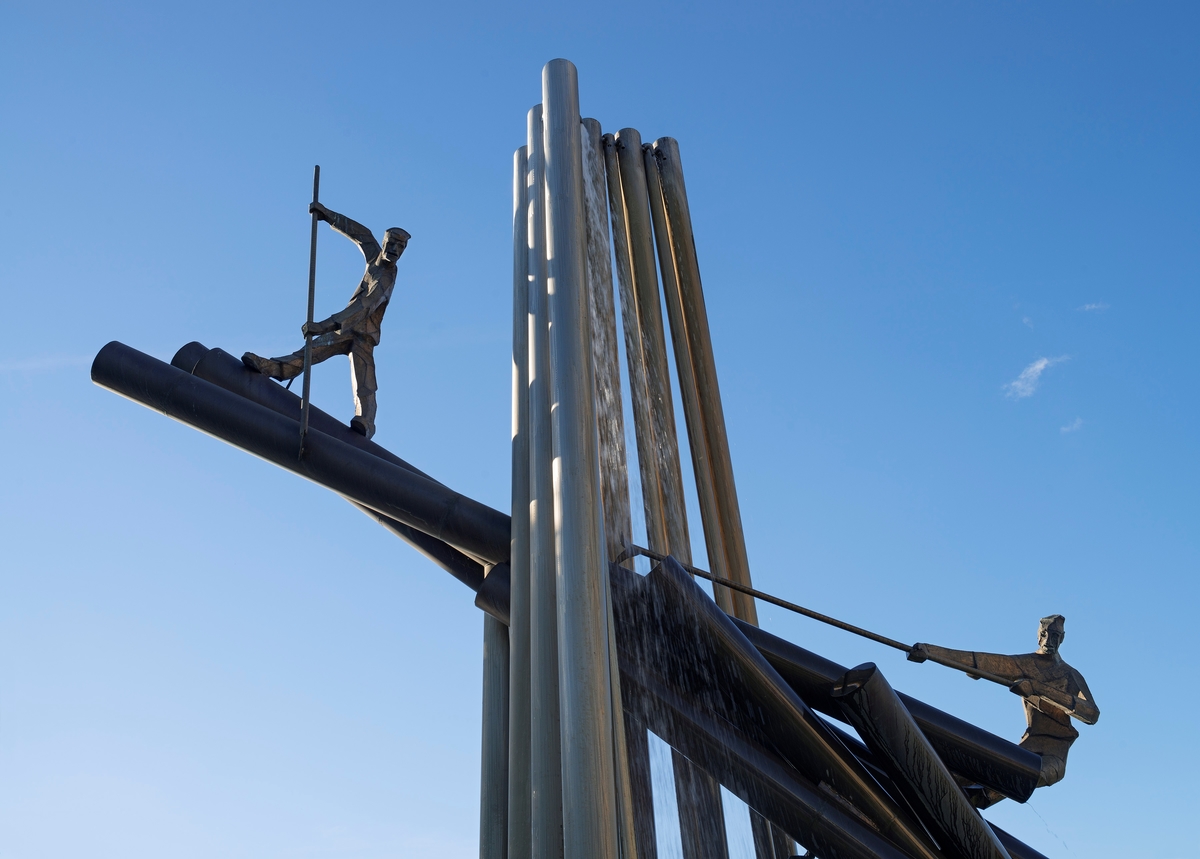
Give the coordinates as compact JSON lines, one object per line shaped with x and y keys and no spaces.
{"x":1052,"y":690}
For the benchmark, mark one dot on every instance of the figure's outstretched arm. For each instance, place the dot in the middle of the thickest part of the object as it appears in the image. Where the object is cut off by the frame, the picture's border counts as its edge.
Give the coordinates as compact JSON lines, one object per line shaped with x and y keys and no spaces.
{"x":351,"y":229}
{"x":989,"y":663}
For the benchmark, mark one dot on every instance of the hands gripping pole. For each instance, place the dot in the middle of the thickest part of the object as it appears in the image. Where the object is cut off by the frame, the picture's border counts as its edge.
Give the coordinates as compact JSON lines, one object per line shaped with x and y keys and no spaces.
{"x":312,"y":300}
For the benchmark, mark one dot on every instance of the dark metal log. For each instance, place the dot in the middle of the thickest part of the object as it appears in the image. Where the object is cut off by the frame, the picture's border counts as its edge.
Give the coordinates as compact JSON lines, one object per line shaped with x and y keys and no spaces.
{"x":520,"y":701}
{"x":1016,"y":848}
{"x":467,"y":570}
{"x":966,"y":749}
{"x":388,"y":489}
{"x":881,"y":719}
{"x":225,"y":371}
{"x":815,"y":817}
{"x":700,"y":714}
{"x":495,"y":594}
{"x":673,"y":631}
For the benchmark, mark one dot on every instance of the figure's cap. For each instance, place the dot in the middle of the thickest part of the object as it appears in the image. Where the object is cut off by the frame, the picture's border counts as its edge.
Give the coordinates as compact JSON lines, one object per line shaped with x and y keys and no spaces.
{"x":1055,"y":622}
{"x":396,"y":231}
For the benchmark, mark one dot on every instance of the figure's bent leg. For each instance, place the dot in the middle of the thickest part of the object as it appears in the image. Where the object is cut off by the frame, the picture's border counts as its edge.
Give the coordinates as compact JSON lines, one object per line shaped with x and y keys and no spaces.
{"x":287,"y":367}
{"x":362,"y":377}
{"x":1053,"y":751}
{"x":291,"y":366}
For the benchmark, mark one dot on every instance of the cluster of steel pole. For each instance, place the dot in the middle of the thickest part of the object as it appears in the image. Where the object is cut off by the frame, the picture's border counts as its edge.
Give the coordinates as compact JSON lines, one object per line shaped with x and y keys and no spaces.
{"x":570,"y":781}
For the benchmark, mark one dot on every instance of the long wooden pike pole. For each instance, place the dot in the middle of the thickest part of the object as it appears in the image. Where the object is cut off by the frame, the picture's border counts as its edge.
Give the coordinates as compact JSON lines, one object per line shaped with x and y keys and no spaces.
{"x":974,"y":673}
{"x":312,"y":300}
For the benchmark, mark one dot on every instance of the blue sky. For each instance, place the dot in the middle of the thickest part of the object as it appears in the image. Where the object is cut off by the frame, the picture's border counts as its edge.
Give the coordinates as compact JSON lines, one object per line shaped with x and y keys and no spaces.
{"x":950,"y":258}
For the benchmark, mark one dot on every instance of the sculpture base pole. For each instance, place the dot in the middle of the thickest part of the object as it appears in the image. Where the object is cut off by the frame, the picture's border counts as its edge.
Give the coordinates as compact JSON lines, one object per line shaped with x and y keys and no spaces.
{"x":493,"y":776}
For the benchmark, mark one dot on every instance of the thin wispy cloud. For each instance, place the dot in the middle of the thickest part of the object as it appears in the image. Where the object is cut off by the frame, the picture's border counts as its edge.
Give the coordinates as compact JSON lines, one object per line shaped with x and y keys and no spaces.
{"x":1073,"y":426}
{"x":1098,"y":307}
{"x":1025,"y":320}
{"x":1025,"y":384}
{"x":42,"y":364}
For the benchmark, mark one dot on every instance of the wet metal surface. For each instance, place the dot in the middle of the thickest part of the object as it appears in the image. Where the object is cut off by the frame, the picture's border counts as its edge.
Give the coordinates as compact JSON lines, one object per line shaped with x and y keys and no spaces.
{"x":677,"y":639}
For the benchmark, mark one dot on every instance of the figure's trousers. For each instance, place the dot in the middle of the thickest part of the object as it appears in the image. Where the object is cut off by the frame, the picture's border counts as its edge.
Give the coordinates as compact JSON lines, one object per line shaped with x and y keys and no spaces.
{"x":362,"y":369}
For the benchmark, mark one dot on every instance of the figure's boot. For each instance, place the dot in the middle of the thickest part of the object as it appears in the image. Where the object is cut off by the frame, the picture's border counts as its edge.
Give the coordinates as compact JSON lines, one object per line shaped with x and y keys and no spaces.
{"x":362,"y":426}
{"x":266,"y":366}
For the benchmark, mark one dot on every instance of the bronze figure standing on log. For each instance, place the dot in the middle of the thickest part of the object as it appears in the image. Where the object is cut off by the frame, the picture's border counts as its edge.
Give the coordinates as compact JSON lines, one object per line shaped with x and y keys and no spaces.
{"x":353,"y":331}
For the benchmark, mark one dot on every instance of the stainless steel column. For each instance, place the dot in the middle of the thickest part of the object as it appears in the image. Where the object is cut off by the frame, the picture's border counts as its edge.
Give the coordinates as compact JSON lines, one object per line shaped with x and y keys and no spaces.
{"x":662,"y":483}
{"x":610,"y":435}
{"x":701,"y":821}
{"x":695,"y":317}
{"x":785,"y":846}
{"x":701,"y":397}
{"x":697,"y":793}
{"x":614,"y":476}
{"x":770,"y":842}
{"x":493,"y":777}
{"x":589,"y":789}
{"x":519,"y":790}
{"x":636,"y":740}
{"x":641,"y":787}
{"x":639,"y":393}
{"x":697,"y":440}
{"x":545,"y":751}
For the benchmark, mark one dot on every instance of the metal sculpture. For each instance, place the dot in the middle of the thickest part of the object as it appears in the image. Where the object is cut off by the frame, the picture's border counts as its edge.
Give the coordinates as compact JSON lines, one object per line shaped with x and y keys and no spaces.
{"x":582,"y":656}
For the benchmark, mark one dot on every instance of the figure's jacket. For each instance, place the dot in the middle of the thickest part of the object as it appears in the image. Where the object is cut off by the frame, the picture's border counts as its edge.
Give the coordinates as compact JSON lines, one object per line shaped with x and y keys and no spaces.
{"x":363,"y":316}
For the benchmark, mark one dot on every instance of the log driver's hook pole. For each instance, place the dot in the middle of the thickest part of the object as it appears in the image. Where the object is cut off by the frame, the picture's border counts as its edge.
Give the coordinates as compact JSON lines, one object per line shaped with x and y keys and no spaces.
{"x":312,"y":300}
{"x":815,"y":615}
